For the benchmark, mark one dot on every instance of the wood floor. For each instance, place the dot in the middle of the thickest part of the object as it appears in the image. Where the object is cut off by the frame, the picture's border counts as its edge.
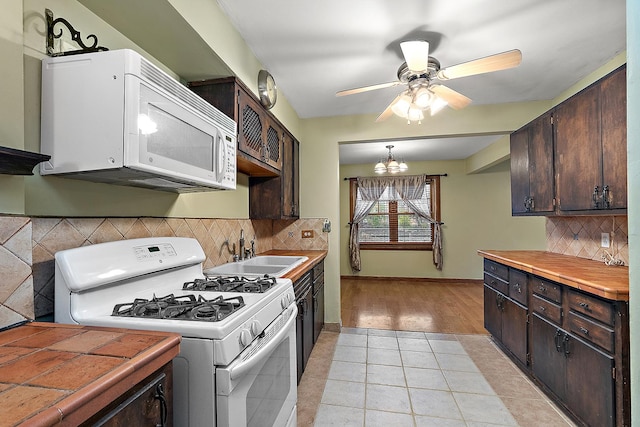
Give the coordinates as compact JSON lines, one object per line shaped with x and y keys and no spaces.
{"x":429,"y":305}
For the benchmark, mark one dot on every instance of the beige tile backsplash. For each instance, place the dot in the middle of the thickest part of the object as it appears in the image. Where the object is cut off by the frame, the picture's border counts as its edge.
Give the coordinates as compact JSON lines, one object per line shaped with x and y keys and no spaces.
{"x":28,"y":245}
{"x":581,"y":235}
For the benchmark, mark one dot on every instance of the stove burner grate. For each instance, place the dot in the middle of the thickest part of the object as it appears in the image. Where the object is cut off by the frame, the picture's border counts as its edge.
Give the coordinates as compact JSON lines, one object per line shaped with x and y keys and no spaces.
{"x":232,"y":284}
{"x":185,"y":307}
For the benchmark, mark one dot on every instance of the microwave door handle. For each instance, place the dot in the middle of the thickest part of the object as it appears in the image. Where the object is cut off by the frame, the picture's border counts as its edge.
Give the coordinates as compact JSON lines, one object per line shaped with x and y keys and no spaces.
{"x":246,"y":365}
{"x":220,"y":156}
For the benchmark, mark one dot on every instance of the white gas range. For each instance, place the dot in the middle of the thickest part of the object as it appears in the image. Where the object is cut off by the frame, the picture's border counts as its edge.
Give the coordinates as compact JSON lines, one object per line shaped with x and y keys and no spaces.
{"x":237,"y":361}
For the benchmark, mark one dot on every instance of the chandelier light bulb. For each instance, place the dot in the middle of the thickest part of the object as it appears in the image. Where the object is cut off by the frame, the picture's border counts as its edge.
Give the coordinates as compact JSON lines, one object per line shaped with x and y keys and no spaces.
{"x":380,"y":168}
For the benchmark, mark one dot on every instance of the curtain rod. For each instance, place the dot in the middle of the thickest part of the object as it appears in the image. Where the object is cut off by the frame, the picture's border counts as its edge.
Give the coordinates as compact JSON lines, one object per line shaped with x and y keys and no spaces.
{"x":427,"y":174}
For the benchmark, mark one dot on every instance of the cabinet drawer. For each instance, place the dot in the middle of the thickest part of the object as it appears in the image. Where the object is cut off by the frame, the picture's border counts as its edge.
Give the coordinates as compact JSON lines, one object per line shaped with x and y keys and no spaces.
{"x":591,"y":306}
{"x":547,"y":309}
{"x":547,"y":289}
{"x":318,"y":270}
{"x":518,"y":286}
{"x":598,"y":334}
{"x":495,"y":269}
{"x":497,"y":284}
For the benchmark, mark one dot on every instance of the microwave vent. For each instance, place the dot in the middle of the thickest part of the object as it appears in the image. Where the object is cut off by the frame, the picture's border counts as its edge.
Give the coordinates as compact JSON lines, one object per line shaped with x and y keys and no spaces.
{"x":154,"y":75}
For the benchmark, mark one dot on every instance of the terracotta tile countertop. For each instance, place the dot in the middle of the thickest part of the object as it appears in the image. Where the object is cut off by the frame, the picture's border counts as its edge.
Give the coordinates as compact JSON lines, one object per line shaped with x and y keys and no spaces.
{"x":53,"y":373}
{"x":611,"y":282}
{"x":315,"y":257}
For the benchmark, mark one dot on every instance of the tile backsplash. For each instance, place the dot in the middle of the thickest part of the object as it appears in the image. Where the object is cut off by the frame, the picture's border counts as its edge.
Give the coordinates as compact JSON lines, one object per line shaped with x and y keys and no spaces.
{"x":28,"y":245}
{"x":581,"y":236}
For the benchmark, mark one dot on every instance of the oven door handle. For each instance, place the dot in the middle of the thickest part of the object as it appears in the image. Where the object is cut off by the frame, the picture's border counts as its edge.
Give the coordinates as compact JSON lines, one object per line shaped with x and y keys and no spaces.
{"x":246,"y":365}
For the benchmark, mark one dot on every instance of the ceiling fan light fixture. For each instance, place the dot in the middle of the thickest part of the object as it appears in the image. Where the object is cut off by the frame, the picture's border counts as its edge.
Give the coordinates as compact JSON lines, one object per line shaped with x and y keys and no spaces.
{"x":422,"y":97}
{"x":437,"y":104}
{"x":401,"y":105}
{"x":416,"y":54}
{"x":415,"y":114}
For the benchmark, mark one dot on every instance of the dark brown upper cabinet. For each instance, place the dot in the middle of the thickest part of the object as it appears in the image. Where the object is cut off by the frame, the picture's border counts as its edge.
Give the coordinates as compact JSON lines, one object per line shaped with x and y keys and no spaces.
{"x":532,"y":186}
{"x":582,"y":144}
{"x":259,"y":133}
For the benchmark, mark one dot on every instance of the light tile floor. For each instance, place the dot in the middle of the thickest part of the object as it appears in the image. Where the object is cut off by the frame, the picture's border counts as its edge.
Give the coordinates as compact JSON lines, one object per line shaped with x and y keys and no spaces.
{"x":372,"y":377}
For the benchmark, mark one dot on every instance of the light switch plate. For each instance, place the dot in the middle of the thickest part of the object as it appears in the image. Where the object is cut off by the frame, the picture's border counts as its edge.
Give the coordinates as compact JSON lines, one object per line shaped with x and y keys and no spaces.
{"x":605,"y":240}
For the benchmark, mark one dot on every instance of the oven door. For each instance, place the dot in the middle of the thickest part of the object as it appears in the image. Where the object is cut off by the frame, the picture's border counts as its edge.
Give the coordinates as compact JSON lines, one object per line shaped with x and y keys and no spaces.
{"x":259,"y":387}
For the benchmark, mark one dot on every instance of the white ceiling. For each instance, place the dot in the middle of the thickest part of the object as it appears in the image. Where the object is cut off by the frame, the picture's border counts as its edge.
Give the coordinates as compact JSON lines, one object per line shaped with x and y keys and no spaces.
{"x":316,"y":48}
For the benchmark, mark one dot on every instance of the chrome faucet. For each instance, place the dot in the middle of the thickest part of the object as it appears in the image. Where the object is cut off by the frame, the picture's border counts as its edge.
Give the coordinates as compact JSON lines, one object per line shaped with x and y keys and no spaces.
{"x":242,"y":253}
{"x":231,"y":251}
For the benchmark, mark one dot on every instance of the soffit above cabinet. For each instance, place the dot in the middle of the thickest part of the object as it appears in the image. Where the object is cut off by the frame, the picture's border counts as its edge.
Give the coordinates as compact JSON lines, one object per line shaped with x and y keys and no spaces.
{"x":158,"y":28}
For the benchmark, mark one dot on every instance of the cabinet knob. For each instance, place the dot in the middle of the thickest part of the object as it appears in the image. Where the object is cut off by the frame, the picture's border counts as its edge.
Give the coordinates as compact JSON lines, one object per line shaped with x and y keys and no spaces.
{"x":583,"y":304}
{"x":584,"y":330}
{"x":542,"y":288}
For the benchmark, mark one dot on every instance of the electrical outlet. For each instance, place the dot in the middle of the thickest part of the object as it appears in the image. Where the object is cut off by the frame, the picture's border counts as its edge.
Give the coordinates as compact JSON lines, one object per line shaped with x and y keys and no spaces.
{"x":307,"y":234}
{"x":605,"y":240}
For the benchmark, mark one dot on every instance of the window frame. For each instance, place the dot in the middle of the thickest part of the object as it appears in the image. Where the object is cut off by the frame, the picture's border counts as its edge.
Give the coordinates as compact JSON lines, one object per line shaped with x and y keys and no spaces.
{"x":434,"y":182}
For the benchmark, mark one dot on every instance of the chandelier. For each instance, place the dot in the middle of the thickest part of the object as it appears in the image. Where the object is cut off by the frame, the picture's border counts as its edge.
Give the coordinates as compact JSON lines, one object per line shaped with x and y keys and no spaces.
{"x":391,"y":165}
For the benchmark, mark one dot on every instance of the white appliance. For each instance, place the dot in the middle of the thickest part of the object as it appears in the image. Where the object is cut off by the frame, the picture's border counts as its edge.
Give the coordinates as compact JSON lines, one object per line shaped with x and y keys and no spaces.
{"x":237,"y":361}
{"x":115,"y":117}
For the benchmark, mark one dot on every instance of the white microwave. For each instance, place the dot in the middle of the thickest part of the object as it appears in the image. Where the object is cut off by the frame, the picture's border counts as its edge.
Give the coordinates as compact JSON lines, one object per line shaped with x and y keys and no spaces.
{"x":114,"y":117}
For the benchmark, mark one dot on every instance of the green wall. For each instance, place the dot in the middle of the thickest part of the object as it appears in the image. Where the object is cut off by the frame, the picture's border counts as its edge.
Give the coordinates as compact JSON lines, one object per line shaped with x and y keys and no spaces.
{"x":476,"y":211}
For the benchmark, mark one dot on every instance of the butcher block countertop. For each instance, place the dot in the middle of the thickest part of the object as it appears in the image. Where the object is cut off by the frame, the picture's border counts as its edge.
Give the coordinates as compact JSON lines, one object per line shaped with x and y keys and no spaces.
{"x":611,"y":282}
{"x":315,"y":257}
{"x":53,"y":373}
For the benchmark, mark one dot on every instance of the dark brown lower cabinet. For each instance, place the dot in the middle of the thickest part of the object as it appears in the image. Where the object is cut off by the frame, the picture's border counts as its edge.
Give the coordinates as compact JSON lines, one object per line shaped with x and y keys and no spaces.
{"x":575,"y":371}
{"x":573,"y":343}
{"x":506,"y":320}
{"x":303,"y":289}
{"x":148,"y":403}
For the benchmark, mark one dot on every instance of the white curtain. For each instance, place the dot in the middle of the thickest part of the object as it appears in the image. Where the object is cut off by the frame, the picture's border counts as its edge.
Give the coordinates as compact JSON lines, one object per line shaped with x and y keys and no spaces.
{"x":369,"y":191}
{"x":409,"y":189}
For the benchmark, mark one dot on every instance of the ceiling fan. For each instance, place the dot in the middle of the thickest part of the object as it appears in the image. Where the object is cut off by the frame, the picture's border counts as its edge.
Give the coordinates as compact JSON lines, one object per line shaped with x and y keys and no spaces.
{"x":420,"y":72}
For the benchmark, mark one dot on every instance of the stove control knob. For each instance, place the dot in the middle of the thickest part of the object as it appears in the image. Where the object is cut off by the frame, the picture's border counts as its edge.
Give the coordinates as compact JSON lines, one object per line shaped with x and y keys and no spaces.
{"x":245,"y":337}
{"x":256,"y":327}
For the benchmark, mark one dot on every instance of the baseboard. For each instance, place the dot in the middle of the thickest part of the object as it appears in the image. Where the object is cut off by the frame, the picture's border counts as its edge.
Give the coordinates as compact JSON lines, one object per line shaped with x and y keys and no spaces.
{"x":332,"y":327}
{"x":413,"y":279}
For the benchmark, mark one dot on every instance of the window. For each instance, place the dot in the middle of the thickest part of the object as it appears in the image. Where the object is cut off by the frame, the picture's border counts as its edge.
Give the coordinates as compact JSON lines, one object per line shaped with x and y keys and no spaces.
{"x":390,"y":224}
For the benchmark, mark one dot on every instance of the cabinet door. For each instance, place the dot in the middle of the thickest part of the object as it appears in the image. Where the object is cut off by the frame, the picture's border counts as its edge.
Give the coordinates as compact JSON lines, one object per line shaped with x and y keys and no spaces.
{"x":613,"y":96}
{"x":492,"y":312}
{"x":520,"y":170}
{"x":514,"y":328}
{"x":273,"y":145}
{"x":547,"y":356}
{"x":290,"y":177}
{"x":578,"y":151}
{"x":532,"y":179}
{"x":251,"y":127}
{"x":318,"y":309}
{"x":590,"y":383}
{"x":541,"y":178}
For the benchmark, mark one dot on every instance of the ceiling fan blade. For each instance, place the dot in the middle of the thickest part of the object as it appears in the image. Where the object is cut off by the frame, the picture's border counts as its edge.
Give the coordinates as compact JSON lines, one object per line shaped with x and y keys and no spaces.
{"x":366,"y":88}
{"x":497,"y":62}
{"x":416,"y":54}
{"x":388,"y":111}
{"x":455,"y":99}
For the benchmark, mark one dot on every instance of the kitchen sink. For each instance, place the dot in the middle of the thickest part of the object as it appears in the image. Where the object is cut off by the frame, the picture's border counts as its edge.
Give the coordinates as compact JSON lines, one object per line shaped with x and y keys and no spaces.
{"x":273,"y":265}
